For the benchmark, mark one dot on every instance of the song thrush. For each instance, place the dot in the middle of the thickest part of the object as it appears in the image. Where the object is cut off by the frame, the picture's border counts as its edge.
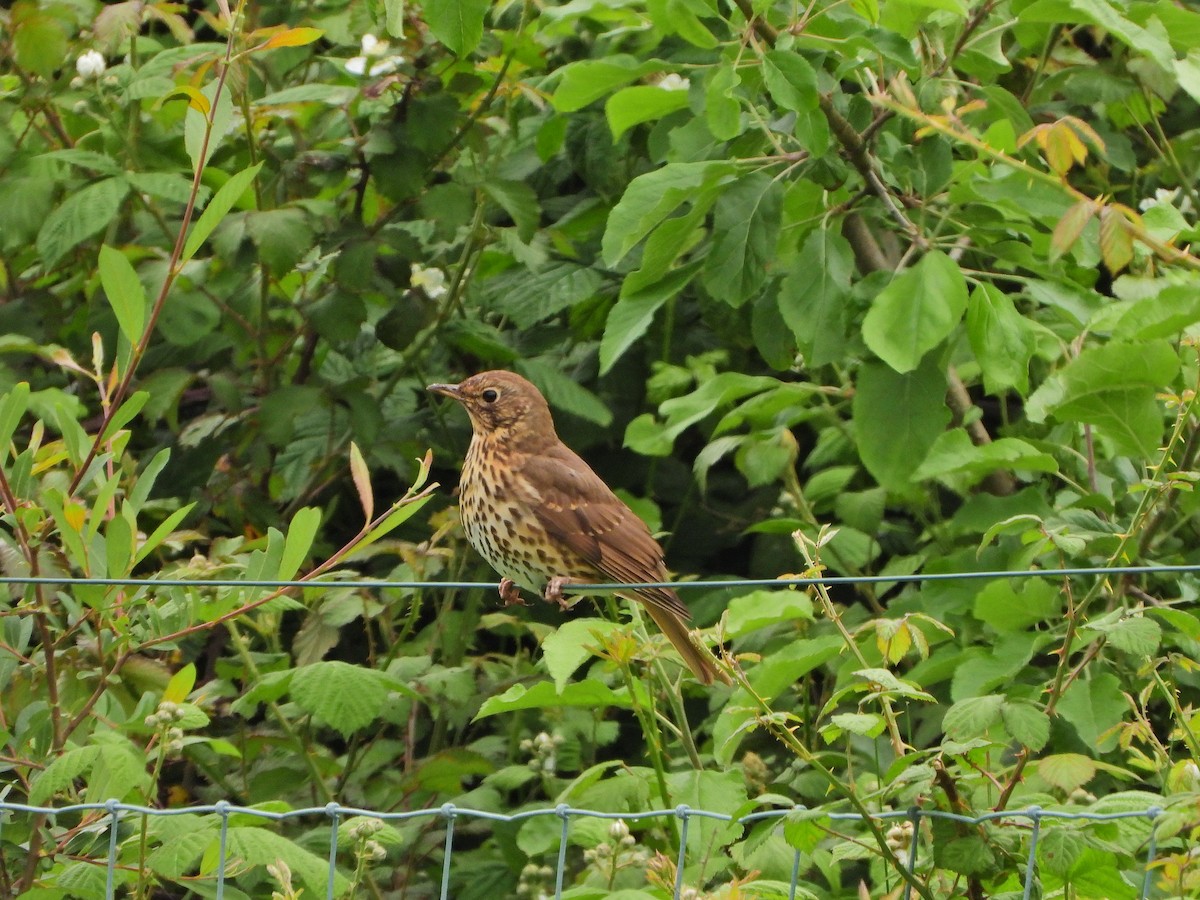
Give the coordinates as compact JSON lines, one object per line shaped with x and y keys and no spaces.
{"x":544,"y":520}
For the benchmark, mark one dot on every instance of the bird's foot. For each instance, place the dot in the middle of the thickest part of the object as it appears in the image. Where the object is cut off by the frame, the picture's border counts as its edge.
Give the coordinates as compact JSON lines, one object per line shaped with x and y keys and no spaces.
{"x":510,"y":593}
{"x":554,"y":592}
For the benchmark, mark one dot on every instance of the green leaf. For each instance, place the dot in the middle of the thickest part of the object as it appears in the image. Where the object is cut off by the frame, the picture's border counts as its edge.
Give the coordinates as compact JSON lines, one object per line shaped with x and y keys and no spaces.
{"x":259,"y":846}
{"x":531,"y":297}
{"x":791,"y":80}
{"x":1109,"y":368}
{"x":1027,"y":723}
{"x":1094,"y":706}
{"x":916,"y":311}
{"x":763,"y":608}
{"x":745,"y":229}
{"x":953,"y":454}
{"x":1134,"y":634}
{"x":641,"y":103}
{"x":199,"y":139}
{"x":568,"y":647}
{"x":587,"y":80}
{"x":564,"y":392}
{"x":40,"y":44}
{"x":1066,"y":771}
{"x":972,"y":717}
{"x":12,"y":408}
{"x":160,"y":534}
{"x":650,"y":198}
{"x":1163,"y":315}
{"x":722,"y":109}
{"x":1005,"y":608}
{"x":84,"y":213}
{"x":300,"y":535}
{"x":897,"y":419}
{"x":520,"y":202}
{"x":456,"y":23}
{"x":124,"y":291}
{"x":344,"y":697}
{"x":544,"y":695}
{"x":181,"y":684}
{"x":804,"y":829}
{"x":814,"y":296}
{"x":1000,"y":339}
{"x":67,"y":766}
{"x":223,"y":201}
{"x":632,"y":314}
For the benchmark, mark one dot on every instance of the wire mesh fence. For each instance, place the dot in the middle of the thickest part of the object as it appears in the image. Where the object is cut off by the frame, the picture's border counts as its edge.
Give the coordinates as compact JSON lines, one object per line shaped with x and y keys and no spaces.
{"x":109,"y":825}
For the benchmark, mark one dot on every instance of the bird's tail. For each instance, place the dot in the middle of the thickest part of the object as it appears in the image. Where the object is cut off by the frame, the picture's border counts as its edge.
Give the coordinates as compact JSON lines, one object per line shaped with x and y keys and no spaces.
{"x":698,"y":659}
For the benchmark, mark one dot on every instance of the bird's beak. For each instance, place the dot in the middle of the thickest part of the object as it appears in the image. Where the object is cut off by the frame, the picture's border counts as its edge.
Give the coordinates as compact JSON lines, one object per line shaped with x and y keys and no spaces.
{"x":446,"y":390}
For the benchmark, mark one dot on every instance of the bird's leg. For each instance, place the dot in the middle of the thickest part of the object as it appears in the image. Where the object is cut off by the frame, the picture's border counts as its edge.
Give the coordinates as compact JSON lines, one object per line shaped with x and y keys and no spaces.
{"x":510,"y":593}
{"x":554,"y":592}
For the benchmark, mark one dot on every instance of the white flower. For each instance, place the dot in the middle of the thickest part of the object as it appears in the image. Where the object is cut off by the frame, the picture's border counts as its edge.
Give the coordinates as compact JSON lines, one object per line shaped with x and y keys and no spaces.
{"x":431,"y":281}
{"x":90,"y":65}
{"x":374,"y":59}
{"x":673,"y":82}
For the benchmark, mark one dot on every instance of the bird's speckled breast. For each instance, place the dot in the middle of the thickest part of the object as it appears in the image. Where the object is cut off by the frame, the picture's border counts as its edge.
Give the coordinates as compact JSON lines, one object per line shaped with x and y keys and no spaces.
{"x":502,"y":527}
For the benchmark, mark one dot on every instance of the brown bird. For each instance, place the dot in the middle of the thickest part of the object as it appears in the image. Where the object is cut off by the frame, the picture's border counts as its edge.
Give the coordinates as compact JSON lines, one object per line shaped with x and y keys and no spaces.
{"x":544,"y":520}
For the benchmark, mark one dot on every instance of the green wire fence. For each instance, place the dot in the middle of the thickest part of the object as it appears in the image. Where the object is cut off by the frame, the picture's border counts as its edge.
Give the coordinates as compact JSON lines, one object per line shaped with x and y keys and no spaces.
{"x":448,"y":814}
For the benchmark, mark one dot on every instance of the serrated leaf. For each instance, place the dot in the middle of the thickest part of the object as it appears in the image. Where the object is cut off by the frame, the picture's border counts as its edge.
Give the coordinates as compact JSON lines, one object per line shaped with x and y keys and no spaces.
{"x":568,"y":647}
{"x":84,"y":213}
{"x":1070,"y":227}
{"x":344,"y":697}
{"x":1116,"y":240}
{"x":805,"y":828}
{"x":1026,"y":723}
{"x":972,"y":717}
{"x":1066,"y":771}
{"x":762,"y":608}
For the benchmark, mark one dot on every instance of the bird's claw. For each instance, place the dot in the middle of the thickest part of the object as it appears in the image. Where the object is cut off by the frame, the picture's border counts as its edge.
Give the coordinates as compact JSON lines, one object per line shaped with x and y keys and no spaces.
{"x":554,"y":592}
{"x":510,"y":593}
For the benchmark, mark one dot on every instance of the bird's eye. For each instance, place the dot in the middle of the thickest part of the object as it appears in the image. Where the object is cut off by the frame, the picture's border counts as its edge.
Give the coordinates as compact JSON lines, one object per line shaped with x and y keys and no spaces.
{"x":490,"y":395}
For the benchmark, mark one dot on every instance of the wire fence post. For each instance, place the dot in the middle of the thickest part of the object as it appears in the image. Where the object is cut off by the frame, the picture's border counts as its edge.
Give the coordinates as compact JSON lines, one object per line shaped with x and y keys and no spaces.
{"x":449,"y":812}
{"x":914,"y":816}
{"x":222,"y":810}
{"x":563,"y":812}
{"x":1151,"y":850}
{"x":683,"y":811}
{"x":332,"y":810}
{"x":114,"y":812}
{"x":1035,"y":812}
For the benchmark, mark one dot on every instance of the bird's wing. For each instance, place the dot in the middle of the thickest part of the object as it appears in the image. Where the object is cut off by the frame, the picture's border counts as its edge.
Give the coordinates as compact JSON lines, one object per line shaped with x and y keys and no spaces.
{"x":578,"y":509}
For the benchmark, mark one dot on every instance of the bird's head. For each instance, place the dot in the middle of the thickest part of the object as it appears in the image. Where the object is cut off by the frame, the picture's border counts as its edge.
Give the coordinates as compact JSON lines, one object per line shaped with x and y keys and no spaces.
{"x":501,"y":403}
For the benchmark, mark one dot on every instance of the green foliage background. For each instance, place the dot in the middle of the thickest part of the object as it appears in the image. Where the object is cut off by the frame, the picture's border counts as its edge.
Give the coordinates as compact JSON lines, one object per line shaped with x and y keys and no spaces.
{"x":876,"y":287}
